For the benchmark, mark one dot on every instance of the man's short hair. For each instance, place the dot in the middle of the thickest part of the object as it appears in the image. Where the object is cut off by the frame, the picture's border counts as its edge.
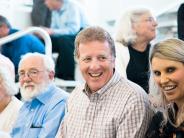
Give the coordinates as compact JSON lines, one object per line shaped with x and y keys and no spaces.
{"x":48,"y":61}
{"x":94,"y":33}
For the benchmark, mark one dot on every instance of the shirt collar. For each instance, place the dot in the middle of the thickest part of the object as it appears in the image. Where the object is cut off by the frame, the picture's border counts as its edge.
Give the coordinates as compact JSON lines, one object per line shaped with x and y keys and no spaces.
{"x":45,"y":95}
{"x":103,"y":91}
{"x":11,"y":31}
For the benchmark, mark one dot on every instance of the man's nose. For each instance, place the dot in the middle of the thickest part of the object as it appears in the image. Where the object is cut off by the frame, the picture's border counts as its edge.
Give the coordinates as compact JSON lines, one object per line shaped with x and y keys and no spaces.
{"x":94,"y":64}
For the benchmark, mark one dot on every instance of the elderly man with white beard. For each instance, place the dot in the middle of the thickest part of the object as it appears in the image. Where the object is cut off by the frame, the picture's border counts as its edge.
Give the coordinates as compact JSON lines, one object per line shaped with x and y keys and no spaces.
{"x":44,"y":106}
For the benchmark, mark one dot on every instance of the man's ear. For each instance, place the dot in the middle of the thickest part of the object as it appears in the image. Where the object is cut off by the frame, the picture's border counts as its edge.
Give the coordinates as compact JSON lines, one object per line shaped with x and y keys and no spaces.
{"x":51,"y":75}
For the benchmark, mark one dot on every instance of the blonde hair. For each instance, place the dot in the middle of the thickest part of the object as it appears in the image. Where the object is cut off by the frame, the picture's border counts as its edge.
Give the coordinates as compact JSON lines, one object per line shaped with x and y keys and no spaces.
{"x":93,"y":33}
{"x":170,"y":49}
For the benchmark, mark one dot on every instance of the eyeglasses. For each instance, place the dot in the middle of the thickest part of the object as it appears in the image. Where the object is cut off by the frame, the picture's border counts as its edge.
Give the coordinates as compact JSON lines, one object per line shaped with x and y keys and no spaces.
{"x":149,"y":19}
{"x":32,"y":73}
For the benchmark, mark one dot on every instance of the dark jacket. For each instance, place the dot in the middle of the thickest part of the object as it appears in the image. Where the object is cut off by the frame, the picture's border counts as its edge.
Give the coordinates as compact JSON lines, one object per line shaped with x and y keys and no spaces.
{"x":159,"y":129}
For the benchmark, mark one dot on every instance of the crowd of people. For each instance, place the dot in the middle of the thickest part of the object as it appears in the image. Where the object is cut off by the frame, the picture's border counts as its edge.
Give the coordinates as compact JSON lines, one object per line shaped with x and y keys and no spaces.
{"x":132,"y":88}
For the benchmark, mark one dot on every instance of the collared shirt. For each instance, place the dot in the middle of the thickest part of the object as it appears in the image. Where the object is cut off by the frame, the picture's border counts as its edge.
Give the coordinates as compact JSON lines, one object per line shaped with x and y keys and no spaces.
{"x":69,"y":19}
{"x":40,"y":118}
{"x":118,"y":110}
{"x":9,"y":115}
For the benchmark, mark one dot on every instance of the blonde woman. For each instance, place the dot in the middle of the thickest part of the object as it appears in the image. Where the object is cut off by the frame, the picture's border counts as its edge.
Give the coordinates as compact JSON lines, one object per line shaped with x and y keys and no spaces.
{"x":167,"y":84}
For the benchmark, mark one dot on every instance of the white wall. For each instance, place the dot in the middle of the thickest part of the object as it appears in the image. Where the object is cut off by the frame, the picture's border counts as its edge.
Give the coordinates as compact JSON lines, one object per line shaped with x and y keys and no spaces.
{"x":16,"y":13}
{"x":98,"y":11}
{"x":102,"y":11}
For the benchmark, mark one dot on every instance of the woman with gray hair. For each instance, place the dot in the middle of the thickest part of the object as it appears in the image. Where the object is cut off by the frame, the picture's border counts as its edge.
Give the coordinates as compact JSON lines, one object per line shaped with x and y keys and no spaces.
{"x":135,"y":30}
{"x":9,"y":105}
{"x":167,"y":84}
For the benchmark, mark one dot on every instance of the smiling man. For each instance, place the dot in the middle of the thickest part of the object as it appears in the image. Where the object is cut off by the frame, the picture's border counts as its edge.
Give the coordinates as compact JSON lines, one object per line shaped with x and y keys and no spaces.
{"x":44,"y":106}
{"x":107,"y":105}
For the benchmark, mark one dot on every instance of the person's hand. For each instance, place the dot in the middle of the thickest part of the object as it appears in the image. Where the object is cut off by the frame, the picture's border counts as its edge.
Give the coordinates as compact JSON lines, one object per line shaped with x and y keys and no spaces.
{"x":48,"y":30}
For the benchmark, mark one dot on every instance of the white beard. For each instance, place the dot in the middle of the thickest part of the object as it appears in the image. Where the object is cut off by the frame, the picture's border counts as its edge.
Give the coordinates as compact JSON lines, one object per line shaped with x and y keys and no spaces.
{"x":28,"y":93}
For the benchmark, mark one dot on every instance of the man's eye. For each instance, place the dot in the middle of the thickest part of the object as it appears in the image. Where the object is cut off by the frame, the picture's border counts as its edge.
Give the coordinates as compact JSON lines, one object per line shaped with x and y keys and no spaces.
{"x":102,"y":58}
{"x":21,"y":73}
{"x":86,"y":59}
{"x":33,"y":72}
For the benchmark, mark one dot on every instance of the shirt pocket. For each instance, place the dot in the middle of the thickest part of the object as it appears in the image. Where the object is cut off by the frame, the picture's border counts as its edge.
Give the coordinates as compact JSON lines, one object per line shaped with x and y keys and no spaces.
{"x":34,"y":132}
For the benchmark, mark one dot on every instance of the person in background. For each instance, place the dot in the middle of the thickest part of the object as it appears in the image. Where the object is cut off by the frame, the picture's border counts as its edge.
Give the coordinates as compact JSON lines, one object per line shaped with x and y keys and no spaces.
{"x":135,"y":30}
{"x":68,"y":18}
{"x":180,"y":21}
{"x":44,"y":106}
{"x":167,"y":84}
{"x":107,"y":105}
{"x":40,"y":15}
{"x":9,"y":105}
{"x":18,"y":47}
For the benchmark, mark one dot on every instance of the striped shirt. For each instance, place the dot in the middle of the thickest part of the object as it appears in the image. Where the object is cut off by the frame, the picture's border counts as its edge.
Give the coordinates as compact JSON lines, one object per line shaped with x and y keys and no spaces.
{"x":118,"y":110}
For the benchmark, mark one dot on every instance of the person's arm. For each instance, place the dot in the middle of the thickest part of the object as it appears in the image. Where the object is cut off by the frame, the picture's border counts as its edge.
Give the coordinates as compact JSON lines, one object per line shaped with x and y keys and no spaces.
{"x":40,"y":15}
{"x":136,"y":118}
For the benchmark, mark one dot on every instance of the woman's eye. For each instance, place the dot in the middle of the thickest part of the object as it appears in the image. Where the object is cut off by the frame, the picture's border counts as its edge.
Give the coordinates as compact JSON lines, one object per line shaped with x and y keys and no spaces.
{"x":156,"y":73}
{"x":171,"y":69}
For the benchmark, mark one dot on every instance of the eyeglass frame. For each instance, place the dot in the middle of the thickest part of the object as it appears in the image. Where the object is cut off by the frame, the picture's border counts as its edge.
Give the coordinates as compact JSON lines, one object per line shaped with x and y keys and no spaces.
{"x":32,"y":73}
{"x":150,"y":19}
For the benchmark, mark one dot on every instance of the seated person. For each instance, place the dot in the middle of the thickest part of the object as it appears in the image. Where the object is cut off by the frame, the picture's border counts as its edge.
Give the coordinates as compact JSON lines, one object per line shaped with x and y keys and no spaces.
{"x":9,"y":105}
{"x":166,"y":84}
{"x":67,"y":19}
{"x":44,"y":106}
{"x":43,"y":14}
{"x":16,"y":48}
{"x":135,"y":30}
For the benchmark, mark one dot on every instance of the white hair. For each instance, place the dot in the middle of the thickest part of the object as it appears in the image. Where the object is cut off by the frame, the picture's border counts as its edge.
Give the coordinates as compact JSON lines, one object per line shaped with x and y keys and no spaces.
{"x":48,"y":61}
{"x":8,"y":81}
{"x":4,"y":134}
{"x":124,"y":31}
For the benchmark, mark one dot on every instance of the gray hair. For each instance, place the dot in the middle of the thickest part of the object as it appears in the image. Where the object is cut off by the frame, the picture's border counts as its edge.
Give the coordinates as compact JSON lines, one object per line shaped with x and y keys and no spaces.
{"x":124,"y":31}
{"x":93,"y":33}
{"x":48,"y":61}
{"x":8,"y":81}
{"x":3,"y":20}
